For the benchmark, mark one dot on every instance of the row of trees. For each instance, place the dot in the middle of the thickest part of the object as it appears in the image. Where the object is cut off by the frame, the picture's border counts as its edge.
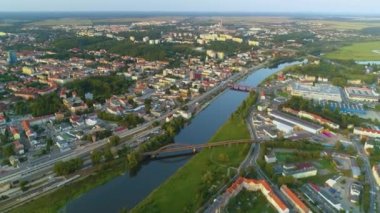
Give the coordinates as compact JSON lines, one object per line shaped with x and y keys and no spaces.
{"x":243,"y":110}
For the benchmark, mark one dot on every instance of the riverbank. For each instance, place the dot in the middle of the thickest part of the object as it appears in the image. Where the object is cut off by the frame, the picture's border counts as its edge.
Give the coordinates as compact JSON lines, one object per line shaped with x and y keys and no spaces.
{"x":54,"y":201}
{"x":194,"y":183}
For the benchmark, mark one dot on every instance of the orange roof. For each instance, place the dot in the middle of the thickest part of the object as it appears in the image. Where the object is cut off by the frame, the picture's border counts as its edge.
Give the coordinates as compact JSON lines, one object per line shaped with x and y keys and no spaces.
{"x":278,"y":201}
{"x":293,"y":197}
{"x":263,"y":183}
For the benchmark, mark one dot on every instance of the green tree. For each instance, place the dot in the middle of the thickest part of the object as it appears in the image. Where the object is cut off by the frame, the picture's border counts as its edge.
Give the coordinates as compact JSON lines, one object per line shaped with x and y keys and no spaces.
{"x":96,"y":157}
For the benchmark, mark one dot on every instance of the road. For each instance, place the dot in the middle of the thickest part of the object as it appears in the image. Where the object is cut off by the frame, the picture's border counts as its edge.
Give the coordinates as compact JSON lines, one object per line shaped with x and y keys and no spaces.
{"x":374,"y":198}
{"x":253,"y":162}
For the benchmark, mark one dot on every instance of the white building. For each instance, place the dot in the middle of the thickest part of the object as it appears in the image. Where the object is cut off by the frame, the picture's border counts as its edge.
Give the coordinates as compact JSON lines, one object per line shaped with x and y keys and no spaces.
{"x":307,"y":126}
{"x":317,"y":92}
{"x":367,"y":132}
{"x":361,"y":94}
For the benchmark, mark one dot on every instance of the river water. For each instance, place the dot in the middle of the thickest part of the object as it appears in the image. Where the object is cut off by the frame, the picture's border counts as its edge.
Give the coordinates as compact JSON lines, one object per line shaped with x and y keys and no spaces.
{"x":127,"y":191}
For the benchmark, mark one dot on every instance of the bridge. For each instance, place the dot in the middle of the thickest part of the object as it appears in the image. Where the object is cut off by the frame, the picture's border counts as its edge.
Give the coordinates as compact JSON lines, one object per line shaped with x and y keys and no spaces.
{"x":241,"y":88}
{"x":194,"y":148}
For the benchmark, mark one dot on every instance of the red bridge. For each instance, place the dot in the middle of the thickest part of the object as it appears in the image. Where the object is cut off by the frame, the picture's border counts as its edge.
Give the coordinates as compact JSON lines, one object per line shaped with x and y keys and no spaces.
{"x":175,"y":148}
{"x":242,"y":88}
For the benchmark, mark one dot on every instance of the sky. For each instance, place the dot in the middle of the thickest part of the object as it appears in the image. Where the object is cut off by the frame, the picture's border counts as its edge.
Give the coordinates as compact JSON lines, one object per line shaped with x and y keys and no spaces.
{"x":287,"y":6}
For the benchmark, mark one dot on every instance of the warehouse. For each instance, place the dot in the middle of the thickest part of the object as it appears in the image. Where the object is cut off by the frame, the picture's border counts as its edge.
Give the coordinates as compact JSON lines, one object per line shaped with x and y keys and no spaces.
{"x":317,"y":92}
{"x":307,"y":126}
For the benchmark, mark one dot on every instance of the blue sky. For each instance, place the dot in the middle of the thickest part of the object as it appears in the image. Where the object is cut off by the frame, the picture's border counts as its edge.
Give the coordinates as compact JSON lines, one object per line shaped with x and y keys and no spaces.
{"x":317,"y":6}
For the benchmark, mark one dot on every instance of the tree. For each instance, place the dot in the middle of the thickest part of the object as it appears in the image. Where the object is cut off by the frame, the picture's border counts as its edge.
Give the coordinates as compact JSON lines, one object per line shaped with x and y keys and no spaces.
{"x":132,"y":161}
{"x":8,"y":151}
{"x":148,"y":105}
{"x":23,"y":185}
{"x":96,"y":157}
{"x":114,"y":140}
{"x":108,"y":156}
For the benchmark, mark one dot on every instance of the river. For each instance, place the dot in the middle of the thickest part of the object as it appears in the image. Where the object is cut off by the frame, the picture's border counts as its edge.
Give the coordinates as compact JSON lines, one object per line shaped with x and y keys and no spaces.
{"x":127,"y":191}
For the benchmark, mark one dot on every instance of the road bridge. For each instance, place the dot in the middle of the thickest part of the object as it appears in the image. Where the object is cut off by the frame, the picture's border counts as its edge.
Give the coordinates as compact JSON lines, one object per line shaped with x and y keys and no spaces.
{"x":194,"y":148}
{"x":241,"y":88}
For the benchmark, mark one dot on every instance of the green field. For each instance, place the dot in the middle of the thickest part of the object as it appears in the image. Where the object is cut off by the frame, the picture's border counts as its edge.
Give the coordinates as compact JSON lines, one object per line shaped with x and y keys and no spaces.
{"x":184,"y":191}
{"x":364,"y":51}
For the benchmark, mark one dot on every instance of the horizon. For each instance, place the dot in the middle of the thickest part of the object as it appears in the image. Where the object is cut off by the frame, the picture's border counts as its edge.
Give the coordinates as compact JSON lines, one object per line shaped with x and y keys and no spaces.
{"x":363,"y":7}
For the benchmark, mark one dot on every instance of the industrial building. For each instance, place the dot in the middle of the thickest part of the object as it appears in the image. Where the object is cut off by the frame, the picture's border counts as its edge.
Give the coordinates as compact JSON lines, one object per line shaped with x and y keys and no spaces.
{"x":305,"y":125}
{"x":361,"y":94}
{"x":317,"y":92}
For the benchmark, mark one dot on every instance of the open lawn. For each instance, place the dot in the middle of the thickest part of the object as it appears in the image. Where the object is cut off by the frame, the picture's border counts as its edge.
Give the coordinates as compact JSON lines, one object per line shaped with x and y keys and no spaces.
{"x":184,"y":191}
{"x":364,"y":51}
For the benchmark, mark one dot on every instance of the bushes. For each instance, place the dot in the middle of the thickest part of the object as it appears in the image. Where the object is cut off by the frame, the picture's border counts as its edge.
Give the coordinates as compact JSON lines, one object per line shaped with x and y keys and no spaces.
{"x":68,"y":167}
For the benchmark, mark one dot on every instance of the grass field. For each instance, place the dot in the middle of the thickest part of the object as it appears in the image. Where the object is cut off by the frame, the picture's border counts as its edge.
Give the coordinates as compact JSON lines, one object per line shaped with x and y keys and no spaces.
{"x":180,"y":193}
{"x":364,"y":51}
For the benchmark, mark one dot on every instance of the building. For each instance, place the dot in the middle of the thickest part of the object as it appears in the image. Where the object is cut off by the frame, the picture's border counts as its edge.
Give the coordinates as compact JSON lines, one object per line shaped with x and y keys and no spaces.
{"x":311,"y":116}
{"x":300,"y":206}
{"x":307,"y":126}
{"x":283,"y":126}
{"x":75,"y":104}
{"x":15,"y":133}
{"x":367,"y":132}
{"x":28,"y":131}
{"x":270,"y":158}
{"x":255,"y":185}
{"x":12,"y":57}
{"x":299,"y":170}
{"x":317,"y":92}
{"x":355,"y":169}
{"x":18,"y":148}
{"x":376,"y":173}
{"x":14,"y":161}
{"x":355,"y":190}
{"x":361,"y":94}
{"x":323,"y":194}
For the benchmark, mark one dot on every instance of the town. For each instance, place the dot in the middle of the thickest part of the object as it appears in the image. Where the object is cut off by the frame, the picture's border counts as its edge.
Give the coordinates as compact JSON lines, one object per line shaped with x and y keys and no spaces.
{"x":80,"y":100}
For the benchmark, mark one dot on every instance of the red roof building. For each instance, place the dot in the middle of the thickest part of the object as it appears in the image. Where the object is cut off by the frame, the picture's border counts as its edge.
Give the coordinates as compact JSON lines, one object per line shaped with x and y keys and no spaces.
{"x":301,"y":207}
